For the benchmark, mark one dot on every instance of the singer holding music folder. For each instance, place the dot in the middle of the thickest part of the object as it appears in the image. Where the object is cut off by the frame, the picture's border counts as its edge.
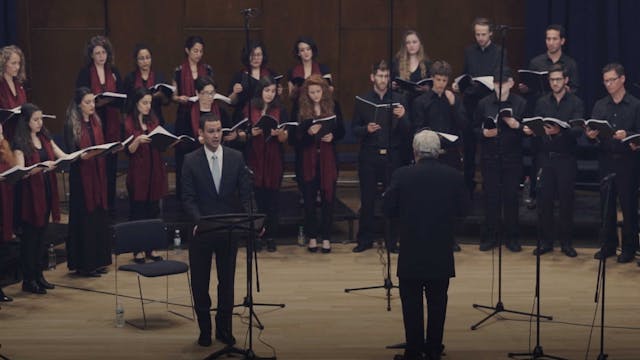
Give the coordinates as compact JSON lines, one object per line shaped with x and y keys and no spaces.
{"x":215,"y":181}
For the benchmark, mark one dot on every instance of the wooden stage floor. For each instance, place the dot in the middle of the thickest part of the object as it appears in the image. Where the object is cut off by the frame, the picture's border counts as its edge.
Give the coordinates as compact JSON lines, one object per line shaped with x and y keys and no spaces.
{"x":321,"y":321}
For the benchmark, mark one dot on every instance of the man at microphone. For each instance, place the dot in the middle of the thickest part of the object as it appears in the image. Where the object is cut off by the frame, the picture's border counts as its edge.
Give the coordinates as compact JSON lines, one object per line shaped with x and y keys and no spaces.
{"x":425,"y":263}
{"x":214,"y":181}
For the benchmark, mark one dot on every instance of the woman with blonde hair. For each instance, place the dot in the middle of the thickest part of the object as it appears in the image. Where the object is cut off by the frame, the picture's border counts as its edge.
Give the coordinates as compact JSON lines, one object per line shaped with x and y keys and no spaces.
{"x":12,"y":94}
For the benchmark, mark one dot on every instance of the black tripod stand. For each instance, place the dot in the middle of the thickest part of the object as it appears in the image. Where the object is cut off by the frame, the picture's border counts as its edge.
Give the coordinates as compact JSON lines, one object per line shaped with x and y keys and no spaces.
{"x":387,"y":284}
{"x":499,"y":307}
{"x":605,"y":185}
{"x":537,"y":352}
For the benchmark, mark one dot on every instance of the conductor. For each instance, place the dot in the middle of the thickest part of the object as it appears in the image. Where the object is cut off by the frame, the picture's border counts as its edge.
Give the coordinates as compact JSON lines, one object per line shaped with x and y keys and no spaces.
{"x":427,"y":198}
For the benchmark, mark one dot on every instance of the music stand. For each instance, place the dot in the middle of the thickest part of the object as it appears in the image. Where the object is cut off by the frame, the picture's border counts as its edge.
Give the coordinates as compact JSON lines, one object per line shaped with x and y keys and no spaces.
{"x":239,"y":223}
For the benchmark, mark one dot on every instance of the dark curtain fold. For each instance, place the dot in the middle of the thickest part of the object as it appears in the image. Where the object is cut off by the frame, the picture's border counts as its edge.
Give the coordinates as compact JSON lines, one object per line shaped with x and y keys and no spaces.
{"x":8,"y":13}
{"x":598,"y":32}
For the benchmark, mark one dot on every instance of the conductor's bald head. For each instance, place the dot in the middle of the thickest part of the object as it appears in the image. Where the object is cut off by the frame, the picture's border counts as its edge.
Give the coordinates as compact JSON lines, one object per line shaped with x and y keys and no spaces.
{"x":426,"y":144}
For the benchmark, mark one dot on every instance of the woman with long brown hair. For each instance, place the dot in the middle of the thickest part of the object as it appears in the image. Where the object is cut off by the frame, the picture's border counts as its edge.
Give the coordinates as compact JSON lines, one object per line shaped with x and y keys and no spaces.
{"x":319,"y":157}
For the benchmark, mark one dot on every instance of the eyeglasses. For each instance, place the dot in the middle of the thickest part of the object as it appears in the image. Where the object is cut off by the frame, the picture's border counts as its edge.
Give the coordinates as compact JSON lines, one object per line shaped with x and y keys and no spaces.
{"x":143,"y":58}
{"x":610,"y":81}
{"x":556,"y":79}
{"x":208,"y":93}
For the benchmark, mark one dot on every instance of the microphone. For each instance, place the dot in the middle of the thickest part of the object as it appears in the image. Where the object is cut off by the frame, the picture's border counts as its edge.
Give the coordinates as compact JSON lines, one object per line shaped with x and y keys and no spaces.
{"x":539,"y":176}
{"x":248,"y":170}
{"x":607,"y":178}
{"x":250,"y":12}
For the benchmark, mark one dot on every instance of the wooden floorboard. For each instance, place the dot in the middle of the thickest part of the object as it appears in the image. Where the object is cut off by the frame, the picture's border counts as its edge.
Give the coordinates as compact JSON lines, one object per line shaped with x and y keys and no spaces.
{"x":321,"y":321}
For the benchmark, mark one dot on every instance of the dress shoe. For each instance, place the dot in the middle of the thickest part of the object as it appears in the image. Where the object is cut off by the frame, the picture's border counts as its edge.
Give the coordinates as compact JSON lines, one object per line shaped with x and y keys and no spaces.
{"x":44,"y":283}
{"x":156,"y":258}
{"x":456,"y":247}
{"x":313,"y":245}
{"x":625,"y":257}
{"x":607,"y":253}
{"x":33,"y":287}
{"x":362,"y":247}
{"x":271,"y":245}
{"x":514,"y":246}
{"x":204,"y":339}
{"x":543,"y":250}
{"x":102,"y":270}
{"x":326,"y":246}
{"x":486,"y":246}
{"x":5,"y":298}
{"x":85,"y":273}
{"x":138,"y":260}
{"x":569,"y":251}
{"x":225,"y":338}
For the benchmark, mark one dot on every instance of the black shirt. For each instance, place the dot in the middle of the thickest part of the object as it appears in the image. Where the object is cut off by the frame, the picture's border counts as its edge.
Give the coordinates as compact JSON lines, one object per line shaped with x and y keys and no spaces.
{"x":624,"y":115}
{"x":509,"y":141}
{"x":380,"y":139}
{"x":542,"y":62}
{"x":482,"y":62}
{"x":433,"y":111}
{"x":568,"y":108}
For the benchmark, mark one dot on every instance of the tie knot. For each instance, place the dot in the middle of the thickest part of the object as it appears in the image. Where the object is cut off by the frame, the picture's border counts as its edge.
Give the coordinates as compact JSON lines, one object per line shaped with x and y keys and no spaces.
{"x":215,"y":157}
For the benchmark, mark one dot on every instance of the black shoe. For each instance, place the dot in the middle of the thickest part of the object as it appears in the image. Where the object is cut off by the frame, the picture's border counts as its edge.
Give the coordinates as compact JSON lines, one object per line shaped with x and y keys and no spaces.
{"x":486,"y":246}
{"x":226,"y":338}
{"x":326,"y":248}
{"x":569,"y":251}
{"x":394,"y":250}
{"x":625,"y":257}
{"x":138,"y":260}
{"x":531,"y":204}
{"x":607,"y":253}
{"x":204,"y":339}
{"x":514,"y":246}
{"x":5,"y":298}
{"x":102,"y":270}
{"x":33,"y":287}
{"x":156,"y":258}
{"x":44,"y":283}
{"x":85,"y":273}
{"x":543,"y":250}
{"x":258,"y":245}
{"x":312,"y":249}
{"x":456,"y":247}
{"x":362,"y":247}
{"x":271,"y":245}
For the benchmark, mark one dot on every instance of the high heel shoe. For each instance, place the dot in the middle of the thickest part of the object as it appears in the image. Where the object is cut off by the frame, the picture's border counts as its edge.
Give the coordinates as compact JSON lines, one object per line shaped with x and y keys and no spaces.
{"x":5,"y":298}
{"x":313,"y":245}
{"x":44,"y":283}
{"x":33,"y":287}
{"x":326,"y":246}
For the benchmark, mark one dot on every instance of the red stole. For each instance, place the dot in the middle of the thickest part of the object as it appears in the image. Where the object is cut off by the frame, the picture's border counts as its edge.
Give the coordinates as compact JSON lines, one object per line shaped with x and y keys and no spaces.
{"x":195,"y":116}
{"x":328,"y":166}
{"x":138,"y":83}
{"x":93,"y":171}
{"x":147,"y":176}
{"x":112,"y":121}
{"x":298,"y":70}
{"x":33,"y":190}
{"x":8,"y":101}
{"x":265,"y":157}
{"x":6,"y":194}
{"x":187,"y":83}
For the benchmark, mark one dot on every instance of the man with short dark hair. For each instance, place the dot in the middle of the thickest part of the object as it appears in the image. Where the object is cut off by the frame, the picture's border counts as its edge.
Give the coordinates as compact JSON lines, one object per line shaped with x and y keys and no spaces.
{"x":426,"y":198}
{"x":622,"y":110}
{"x":380,"y":150}
{"x":214,"y":181}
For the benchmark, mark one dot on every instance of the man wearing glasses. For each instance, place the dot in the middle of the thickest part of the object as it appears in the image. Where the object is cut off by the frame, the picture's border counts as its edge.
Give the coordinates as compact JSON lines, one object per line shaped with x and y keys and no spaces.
{"x":622,"y":111}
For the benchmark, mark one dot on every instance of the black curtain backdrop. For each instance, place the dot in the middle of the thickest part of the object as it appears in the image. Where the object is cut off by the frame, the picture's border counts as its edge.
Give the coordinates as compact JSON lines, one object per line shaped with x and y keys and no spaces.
{"x":8,"y":22}
{"x":598,"y":32}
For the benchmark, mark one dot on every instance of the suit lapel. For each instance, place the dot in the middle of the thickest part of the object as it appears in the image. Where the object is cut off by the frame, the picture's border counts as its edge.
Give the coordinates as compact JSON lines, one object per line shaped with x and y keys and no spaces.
{"x":204,"y":165}
{"x":226,"y":163}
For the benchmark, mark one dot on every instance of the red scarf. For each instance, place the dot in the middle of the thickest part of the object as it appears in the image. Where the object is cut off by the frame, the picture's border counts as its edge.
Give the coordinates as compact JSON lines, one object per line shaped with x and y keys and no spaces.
{"x":33,"y":190}
{"x":265,"y":157}
{"x":298,"y":70}
{"x":8,"y":101}
{"x":195,"y":116}
{"x":147,"y":176}
{"x":187,"y":83}
{"x":328,"y":167}
{"x":112,"y":120}
{"x":139,"y":82}
{"x":6,"y":194}
{"x":93,"y":171}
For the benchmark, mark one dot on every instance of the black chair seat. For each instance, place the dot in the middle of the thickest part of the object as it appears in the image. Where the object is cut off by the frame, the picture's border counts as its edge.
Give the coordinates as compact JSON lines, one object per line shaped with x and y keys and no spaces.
{"x":157,"y":268}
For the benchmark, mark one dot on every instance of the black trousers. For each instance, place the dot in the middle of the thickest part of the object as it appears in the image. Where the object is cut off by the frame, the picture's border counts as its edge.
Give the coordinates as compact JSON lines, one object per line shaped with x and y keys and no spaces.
{"x":373,"y":168}
{"x":501,"y":182}
{"x":201,"y":251}
{"x":311,"y":229}
{"x":624,"y":188}
{"x":32,"y":251}
{"x":111,"y":163}
{"x":411,"y":295}
{"x":268,"y":202}
{"x":557,"y":182}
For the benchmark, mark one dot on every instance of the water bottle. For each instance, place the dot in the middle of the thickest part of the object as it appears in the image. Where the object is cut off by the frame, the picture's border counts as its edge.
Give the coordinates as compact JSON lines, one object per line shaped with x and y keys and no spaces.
{"x":119,"y":315}
{"x":51,"y":253}
{"x":177,"y":241}
{"x":301,"y":239}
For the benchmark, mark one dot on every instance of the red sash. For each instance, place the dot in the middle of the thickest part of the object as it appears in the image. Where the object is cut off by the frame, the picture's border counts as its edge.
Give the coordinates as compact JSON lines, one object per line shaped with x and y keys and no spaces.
{"x":93,"y":171}
{"x":298,"y":70}
{"x":138,"y":83}
{"x":265,"y":157}
{"x":33,"y":190}
{"x":328,"y":167}
{"x":112,"y":131}
{"x":8,"y":101}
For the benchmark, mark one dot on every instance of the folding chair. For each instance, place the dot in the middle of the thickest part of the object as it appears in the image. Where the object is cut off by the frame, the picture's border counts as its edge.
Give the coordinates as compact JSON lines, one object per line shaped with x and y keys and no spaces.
{"x":147,"y":235}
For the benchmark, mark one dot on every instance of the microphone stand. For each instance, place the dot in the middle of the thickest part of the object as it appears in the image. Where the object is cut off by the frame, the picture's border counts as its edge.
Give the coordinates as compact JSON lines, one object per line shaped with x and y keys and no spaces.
{"x":387,"y":284}
{"x":537,"y":352}
{"x":499,"y":307}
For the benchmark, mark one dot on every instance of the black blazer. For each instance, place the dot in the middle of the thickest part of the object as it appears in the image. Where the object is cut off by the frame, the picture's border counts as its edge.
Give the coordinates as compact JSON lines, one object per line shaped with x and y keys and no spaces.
{"x":199,"y":196}
{"x":427,"y":198}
